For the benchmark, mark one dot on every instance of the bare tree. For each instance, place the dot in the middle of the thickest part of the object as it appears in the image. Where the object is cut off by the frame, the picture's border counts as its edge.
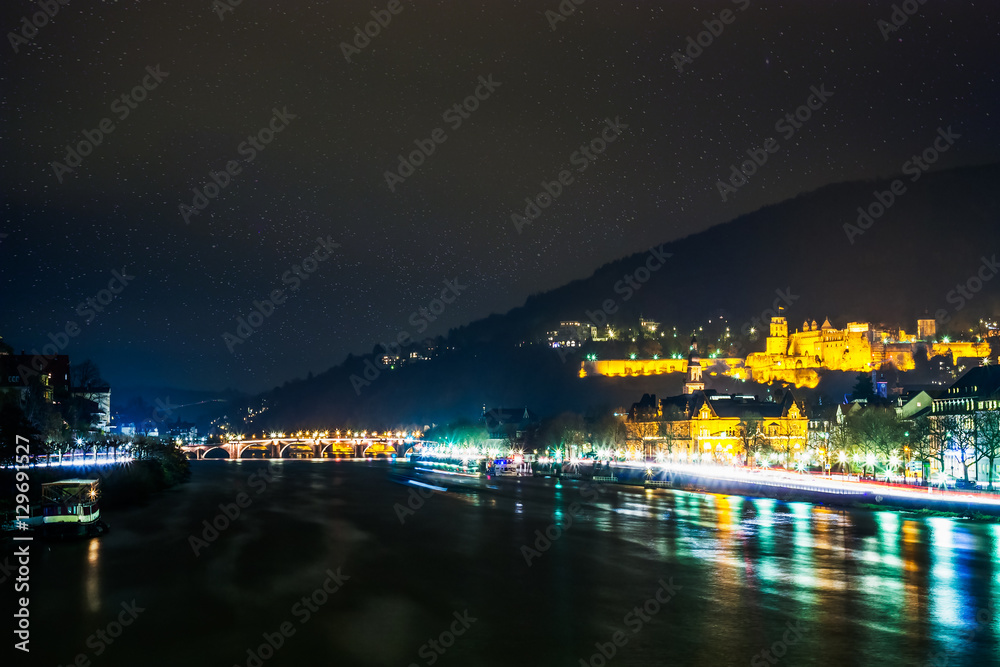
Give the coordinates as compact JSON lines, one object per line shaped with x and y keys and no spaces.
{"x":960,"y":434}
{"x":928,"y":439}
{"x":86,"y":375}
{"x":749,"y":436}
{"x":988,"y":440}
{"x":877,"y":431}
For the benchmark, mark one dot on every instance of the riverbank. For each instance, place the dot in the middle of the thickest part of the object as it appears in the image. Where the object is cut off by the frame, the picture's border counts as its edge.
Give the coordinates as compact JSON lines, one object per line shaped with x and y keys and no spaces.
{"x":928,"y":501}
{"x":122,"y":485}
{"x":785,"y":487}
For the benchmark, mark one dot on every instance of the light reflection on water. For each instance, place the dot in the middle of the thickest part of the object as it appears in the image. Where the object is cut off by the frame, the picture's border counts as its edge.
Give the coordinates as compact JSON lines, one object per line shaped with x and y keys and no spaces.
{"x":870,"y":588}
{"x":910,"y":586}
{"x":93,"y":575}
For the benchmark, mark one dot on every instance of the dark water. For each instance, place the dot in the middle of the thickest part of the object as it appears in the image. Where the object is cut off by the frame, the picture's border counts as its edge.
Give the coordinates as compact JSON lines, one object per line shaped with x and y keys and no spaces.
{"x":858,"y":588}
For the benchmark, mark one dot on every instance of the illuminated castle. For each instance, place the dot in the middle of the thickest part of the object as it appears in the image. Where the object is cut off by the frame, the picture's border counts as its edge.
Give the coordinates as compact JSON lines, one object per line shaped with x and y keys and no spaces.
{"x":797,"y":358}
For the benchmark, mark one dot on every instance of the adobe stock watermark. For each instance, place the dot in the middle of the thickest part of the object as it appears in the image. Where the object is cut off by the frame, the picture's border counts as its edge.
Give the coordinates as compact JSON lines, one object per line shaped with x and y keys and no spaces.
{"x":965,"y":291}
{"x":773,"y":654}
{"x":788,"y":125}
{"x":635,"y":620}
{"x":103,"y":638}
{"x":544,"y":539}
{"x":88,"y":310}
{"x":985,"y":619}
{"x":6,"y":570}
{"x":713,"y":28}
{"x":122,"y":107}
{"x":626,"y":287}
{"x":433,"y":649}
{"x":454,"y":115}
{"x":914,"y":168}
{"x":566,"y":8}
{"x":581,"y":159}
{"x":230,"y":512}
{"x":901,"y":13}
{"x":161,"y":413}
{"x":415,"y":500}
{"x":383,"y":17}
{"x":420,"y":319}
{"x":303,"y":610}
{"x":783,"y":299}
{"x":246,"y":326}
{"x":220,"y":7}
{"x":248,"y":150}
{"x":31,"y":24}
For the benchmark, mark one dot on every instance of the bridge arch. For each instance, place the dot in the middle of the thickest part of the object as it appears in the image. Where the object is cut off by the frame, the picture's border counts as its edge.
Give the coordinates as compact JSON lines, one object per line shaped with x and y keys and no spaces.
{"x":290,"y":445}
{"x":379,"y":448}
{"x":253,"y":446}
{"x":206,"y":452}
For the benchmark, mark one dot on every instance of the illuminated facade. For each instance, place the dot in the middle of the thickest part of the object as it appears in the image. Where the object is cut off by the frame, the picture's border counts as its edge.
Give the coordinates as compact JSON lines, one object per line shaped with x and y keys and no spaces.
{"x":705,"y":425}
{"x":926,"y":329}
{"x":701,"y":424}
{"x":797,"y":358}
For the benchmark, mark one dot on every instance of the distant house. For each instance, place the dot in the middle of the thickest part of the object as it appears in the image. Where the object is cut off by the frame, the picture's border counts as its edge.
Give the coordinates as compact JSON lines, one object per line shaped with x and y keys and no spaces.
{"x":100,"y":398}
{"x":571,"y":334}
{"x":180,"y":429}
{"x":513,"y":423}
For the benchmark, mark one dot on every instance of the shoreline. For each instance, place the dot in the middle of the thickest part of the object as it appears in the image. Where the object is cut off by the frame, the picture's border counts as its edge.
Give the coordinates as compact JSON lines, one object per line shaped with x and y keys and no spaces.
{"x":862,"y":498}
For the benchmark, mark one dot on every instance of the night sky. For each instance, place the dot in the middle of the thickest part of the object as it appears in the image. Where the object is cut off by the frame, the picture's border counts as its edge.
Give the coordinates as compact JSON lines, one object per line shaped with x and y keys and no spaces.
{"x":323,"y":175}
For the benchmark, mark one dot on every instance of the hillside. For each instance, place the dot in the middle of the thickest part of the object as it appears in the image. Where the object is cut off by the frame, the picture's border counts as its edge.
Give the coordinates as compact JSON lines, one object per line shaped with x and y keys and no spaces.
{"x":934,"y":236}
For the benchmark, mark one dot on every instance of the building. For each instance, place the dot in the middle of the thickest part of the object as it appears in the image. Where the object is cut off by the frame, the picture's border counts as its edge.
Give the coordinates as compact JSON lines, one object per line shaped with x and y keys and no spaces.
{"x":796,"y":358}
{"x":649,"y":327}
{"x":695,"y":382}
{"x":570,"y":334}
{"x":17,"y":370}
{"x":926,"y":330}
{"x":961,"y":412}
{"x":514,"y":424}
{"x":703,"y":425}
{"x":100,"y":397}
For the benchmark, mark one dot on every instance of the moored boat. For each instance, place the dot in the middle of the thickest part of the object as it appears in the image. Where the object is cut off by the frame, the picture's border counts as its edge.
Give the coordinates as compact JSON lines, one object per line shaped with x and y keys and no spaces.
{"x":70,"y":509}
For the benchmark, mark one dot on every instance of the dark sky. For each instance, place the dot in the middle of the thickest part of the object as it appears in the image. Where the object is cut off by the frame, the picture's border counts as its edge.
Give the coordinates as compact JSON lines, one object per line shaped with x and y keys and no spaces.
{"x":323,"y":174}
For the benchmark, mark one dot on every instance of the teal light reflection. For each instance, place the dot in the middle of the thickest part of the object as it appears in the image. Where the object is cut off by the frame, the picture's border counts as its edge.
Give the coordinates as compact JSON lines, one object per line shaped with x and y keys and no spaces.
{"x":803,"y":559}
{"x":946,"y":606}
{"x":890,"y":537}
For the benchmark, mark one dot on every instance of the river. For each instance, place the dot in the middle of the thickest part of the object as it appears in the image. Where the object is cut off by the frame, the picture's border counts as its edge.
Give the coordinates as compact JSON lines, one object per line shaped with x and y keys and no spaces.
{"x":391,"y":577}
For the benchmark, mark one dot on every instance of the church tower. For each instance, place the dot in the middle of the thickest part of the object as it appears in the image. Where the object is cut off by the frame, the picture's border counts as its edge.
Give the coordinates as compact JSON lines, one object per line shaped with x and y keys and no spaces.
{"x":694,"y":382}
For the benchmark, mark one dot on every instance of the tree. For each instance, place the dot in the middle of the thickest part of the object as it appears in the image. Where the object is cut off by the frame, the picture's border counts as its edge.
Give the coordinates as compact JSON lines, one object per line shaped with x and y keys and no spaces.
{"x":650,"y":348}
{"x":926,"y":441}
{"x":607,"y":430}
{"x":87,"y":376}
{"x":640,"y":434}
{"x":962,"y":440}
{"x":863,"y":390}
{"x":840,"y":440}
{"x":563,"y":432}
{"x":988,"y":440}
{"x":78,"y":413}
{"x":878,"y":432}
{"x":749,"y":435}
{"x":13,"y":423}
{"x":949,"y":433}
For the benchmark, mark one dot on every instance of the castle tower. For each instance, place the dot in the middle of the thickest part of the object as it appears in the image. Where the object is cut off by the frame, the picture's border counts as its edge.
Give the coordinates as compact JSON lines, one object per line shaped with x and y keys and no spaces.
{"x":777,"y":342}
{"x":694,"y":382}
